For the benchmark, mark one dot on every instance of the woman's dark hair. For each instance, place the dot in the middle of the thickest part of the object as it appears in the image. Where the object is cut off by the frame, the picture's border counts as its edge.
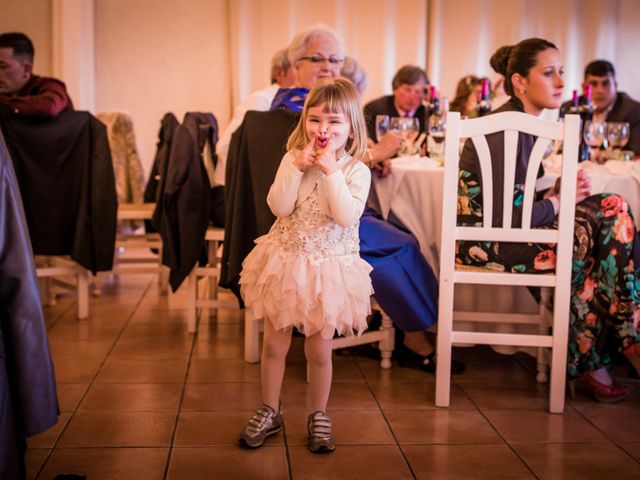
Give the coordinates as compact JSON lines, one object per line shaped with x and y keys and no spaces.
{"x":519,"y":58}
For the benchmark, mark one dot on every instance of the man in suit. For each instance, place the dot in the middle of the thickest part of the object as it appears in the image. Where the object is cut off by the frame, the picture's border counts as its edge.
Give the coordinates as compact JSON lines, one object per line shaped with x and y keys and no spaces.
{"x":20,"y":90}
{"x":409,"y":86}
{"x":611,"y":105}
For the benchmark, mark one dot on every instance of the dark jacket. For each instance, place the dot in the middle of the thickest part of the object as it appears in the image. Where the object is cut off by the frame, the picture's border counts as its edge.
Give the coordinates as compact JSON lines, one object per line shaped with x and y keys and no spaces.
{"x":625,"y":109}
{"x":28,"y":400}
{"x":255,"y":152}
{"x":157,"y":178}
{"x":542,"y":213}
{"x":64,"y":169}
{"x":185,"y":207}
{"x":39,"y":97}
{"x":385,"y":106}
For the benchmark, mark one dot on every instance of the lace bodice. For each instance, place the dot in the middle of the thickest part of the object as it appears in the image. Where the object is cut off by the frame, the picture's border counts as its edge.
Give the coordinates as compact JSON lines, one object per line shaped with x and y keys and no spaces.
{"x":308,"y":231}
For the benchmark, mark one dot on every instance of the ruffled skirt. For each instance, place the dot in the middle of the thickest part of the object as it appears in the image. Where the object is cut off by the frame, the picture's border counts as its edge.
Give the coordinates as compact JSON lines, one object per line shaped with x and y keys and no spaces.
{"x":289,"y":290}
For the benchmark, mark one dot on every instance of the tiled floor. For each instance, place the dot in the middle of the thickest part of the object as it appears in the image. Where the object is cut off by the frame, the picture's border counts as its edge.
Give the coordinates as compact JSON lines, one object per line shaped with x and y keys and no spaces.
{"x":143,"y":399}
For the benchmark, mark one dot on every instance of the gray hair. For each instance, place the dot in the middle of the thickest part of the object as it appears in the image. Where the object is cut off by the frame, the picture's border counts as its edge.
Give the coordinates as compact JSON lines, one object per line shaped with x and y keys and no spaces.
{"x":298,"y":45}
{"x":280,"y":61}
{"x":354,"y":72}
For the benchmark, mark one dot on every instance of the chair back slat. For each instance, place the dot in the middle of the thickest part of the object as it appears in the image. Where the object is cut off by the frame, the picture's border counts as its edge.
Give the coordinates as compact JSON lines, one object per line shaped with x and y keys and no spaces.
{"x":539,"y":148}
{"x":510,"y":152}
{"x":484,"y":156}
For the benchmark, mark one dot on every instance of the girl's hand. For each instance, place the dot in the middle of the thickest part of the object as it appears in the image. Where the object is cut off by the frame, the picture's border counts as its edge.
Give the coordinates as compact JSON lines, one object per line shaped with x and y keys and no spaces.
{"x":326,"y":159}
{"x":305,"y":158}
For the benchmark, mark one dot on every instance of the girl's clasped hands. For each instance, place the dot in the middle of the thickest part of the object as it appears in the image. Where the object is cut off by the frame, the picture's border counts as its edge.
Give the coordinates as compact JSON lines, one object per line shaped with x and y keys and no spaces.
{"x":320,"y":152}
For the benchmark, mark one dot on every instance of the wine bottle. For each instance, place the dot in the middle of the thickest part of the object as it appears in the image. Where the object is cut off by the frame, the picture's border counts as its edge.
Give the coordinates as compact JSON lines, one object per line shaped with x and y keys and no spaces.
{"x":575,"y":103}
{"x":586,"y":114}
{"x":484,"y":106}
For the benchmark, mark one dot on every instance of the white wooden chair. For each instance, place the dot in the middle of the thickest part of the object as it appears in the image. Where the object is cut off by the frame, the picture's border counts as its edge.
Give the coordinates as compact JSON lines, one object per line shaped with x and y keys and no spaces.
{"x":208,"y":274}
{"x":450,"y":274}
{"x":385,"y":337}
{"x":56,"y":271}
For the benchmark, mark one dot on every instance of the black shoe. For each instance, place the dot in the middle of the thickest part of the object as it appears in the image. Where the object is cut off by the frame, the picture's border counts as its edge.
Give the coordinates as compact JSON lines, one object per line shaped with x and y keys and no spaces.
{"x":409,"y":358}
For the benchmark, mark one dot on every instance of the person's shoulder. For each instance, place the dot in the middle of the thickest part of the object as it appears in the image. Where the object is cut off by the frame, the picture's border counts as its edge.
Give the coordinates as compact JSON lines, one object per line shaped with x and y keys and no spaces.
{"x":38,"y":80}
{"x":628,"y":103}
{"x":378,"y":103}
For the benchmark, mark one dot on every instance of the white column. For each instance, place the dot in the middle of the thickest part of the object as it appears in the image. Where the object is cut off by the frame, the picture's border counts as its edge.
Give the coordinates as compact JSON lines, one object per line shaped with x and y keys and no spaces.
{"x":73,"y":52}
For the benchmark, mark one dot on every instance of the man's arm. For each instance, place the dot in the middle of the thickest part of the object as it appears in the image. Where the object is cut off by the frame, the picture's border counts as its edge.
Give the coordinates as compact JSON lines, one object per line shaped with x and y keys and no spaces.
{"x":51,"y":99}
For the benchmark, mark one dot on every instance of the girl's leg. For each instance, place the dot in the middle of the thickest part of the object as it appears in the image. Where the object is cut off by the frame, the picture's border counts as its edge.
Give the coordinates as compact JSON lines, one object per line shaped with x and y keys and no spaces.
{"x":274,"y":353}
{"x":318,"y":352}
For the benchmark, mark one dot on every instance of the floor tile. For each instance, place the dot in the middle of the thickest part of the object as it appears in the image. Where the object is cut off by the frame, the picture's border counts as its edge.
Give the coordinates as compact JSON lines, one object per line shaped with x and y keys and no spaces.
{"x":222,"y":396}
{"x":500,"y":396}
{"x":578,"y":461}
{"x":34,"y":459}
{"x":441,"y":426}
{"x":344,"y":396}
{"x":365,"y":427}
{"x":621,"y":424}
{"x":266,"y":463}
{"x":507,"y":371}
{"x":633,"y":448}
{"x":462,"y":462}
{"x":119,"y":429}
{"x":414,"y":396}
{"x":69,"y":395}
{"x":197,"y":429}
{"x":381,"y":462}
{"x":69,"y":370}
{"x":541,"y":426}
{"x":117,"y":370}
{"x":151,"y":397}
{"x":108,"y":463}
{"x":205,"y":370}
{"x":376,"y":375}
{"x":48,"y":438}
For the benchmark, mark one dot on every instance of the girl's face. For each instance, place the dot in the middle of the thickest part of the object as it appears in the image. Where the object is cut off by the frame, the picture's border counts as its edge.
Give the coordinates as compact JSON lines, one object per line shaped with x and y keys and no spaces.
{"x":542,"y":88}
{"x":327,"y":129}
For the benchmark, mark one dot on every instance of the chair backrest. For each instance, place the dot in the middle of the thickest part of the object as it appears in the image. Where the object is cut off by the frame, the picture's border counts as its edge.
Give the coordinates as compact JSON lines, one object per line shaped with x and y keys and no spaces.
{"x":511,"y":123}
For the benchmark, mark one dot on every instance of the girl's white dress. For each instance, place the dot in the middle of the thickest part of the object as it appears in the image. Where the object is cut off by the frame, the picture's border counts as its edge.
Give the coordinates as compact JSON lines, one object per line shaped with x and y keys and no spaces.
{"x":307,"y":271}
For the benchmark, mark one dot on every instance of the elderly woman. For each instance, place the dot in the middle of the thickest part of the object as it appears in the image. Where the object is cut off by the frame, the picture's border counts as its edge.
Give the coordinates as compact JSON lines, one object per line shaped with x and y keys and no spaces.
{"x":405,"y":285}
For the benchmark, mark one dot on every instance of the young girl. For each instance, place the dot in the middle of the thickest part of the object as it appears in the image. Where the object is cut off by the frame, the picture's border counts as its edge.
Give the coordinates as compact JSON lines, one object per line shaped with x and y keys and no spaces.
{"x":306,"y":272}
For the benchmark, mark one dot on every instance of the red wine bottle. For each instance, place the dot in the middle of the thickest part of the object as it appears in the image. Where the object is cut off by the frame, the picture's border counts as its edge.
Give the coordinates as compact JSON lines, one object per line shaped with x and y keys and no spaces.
{"x":484,"y":106}
{"x":575,"y":103}
{"x":586,"y":114}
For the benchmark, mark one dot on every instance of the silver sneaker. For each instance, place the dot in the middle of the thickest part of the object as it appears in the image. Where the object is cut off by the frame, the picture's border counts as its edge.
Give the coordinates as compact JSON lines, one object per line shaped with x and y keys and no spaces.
{"x":263,"y":423}
{"x":320,"y":437}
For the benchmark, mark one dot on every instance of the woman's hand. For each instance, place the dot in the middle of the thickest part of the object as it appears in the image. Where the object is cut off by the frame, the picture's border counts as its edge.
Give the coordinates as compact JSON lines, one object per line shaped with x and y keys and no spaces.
{"x":583,"y":186}
{"x":305,"y":158}
{"x":383,"y":168}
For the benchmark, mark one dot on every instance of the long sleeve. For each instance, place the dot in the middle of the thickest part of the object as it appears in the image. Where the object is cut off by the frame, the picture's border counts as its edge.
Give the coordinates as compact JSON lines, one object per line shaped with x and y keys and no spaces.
{"x":284,"y":190}
{"x":347,"y":196}
{"x":50,"y":99}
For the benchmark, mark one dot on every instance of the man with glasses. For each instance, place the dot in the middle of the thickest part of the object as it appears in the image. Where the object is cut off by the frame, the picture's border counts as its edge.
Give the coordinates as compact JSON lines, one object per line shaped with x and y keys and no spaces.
{"x":610,"y":105}
{"x":20,"y":90}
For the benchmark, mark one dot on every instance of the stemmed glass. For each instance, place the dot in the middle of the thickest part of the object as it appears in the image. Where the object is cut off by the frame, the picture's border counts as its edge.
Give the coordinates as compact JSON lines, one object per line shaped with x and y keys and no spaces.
{"x":382,"y":126}
{"x":408,"y":127}
{"x":594,"y":134}
{"x":436,"y":129}
{"x":617,"y":136}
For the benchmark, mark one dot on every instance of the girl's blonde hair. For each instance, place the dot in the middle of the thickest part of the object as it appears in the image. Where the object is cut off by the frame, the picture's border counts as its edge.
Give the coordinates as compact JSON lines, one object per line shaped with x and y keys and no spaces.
{"x":337,"y":96}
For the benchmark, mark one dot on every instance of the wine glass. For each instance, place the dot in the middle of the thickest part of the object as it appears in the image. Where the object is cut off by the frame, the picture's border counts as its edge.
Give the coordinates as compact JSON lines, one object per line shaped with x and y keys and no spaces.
{"x":382,"y":126}
{"x":436,"y":129}
{"x":408,"y":127}
{"x":594,"y":134}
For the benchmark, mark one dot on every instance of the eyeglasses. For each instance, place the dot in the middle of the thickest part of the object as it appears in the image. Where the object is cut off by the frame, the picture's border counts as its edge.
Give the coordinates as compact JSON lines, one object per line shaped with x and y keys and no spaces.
{"x":318,"y":59}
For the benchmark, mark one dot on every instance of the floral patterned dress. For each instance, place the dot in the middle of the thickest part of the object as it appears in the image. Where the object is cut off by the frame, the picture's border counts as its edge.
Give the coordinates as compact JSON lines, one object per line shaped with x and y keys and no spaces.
{"x":605,"y":301}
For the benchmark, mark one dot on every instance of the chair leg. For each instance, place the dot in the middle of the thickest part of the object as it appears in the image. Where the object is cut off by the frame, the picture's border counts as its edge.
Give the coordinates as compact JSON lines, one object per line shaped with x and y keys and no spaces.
{"x":163,"y":279}
{"x":251,"y":340}
{"x":386,"y":345}
{"x":82,"y":292}
{"x":192,"y":309}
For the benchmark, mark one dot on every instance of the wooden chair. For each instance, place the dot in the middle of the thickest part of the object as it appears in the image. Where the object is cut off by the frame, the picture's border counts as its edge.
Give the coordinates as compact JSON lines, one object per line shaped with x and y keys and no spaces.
{"x":385,"y":337}
{"x":56,"y":271}
{"x":560,"y":281}
{"x":209,"y":274}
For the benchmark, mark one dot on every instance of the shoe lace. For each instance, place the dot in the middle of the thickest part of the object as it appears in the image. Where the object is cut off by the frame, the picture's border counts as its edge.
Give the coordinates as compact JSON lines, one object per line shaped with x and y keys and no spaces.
{"x":260,"y":418}
{"x":319,"y":425}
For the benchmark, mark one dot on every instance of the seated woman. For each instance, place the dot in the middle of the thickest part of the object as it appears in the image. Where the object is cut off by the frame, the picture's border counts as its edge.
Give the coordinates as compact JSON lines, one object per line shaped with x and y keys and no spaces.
{"x":604,"y":305}
{"x":405,"y":285}
{"x":467,"y":95}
